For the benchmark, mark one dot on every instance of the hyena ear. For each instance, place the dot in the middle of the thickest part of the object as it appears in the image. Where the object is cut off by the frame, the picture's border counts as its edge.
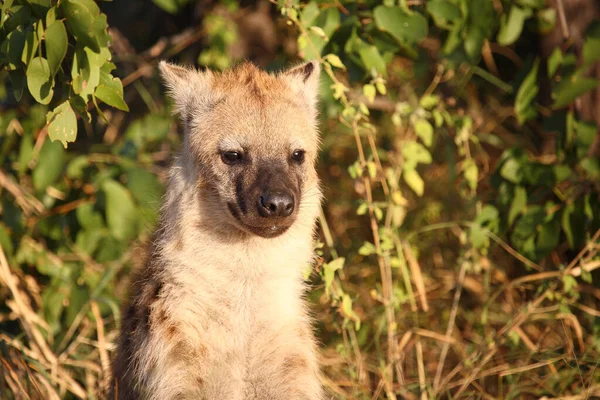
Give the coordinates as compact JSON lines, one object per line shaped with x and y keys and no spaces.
{"x":188,"y":87}
{"x":304,"y":81}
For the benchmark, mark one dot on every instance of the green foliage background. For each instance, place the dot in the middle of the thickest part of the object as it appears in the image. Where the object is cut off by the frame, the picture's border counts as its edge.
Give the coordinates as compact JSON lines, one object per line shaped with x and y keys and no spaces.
{"x":460,"y":234}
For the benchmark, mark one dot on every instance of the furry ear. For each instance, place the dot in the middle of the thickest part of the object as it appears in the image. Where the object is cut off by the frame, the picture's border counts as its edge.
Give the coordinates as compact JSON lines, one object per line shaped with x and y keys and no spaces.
{"x":188,"y":87}
{"x":304,"y":81}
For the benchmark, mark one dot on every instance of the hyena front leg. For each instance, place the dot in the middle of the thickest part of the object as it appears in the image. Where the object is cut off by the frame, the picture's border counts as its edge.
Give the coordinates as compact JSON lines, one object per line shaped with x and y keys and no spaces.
{"x":287,"y":369}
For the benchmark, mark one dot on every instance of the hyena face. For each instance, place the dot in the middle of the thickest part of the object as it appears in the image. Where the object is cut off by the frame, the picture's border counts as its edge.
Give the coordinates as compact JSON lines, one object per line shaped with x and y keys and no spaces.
{"x":253,"y":138}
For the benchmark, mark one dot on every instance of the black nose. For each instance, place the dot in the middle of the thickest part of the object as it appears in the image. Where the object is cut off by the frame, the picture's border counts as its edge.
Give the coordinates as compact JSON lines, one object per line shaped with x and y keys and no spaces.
{"x":276,"y":204}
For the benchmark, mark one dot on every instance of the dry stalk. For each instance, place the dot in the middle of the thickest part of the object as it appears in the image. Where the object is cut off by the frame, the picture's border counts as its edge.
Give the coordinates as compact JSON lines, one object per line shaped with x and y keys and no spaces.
{"x":421,"y":369}
{"x":450,"y":328}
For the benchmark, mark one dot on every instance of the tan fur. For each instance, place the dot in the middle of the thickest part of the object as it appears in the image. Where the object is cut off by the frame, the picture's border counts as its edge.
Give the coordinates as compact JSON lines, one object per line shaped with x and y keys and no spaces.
{"x":217,"y":312}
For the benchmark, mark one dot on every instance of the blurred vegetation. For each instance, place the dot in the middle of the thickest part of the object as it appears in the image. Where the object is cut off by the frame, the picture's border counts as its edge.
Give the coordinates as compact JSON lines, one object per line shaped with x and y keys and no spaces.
{"x":460,"y":234}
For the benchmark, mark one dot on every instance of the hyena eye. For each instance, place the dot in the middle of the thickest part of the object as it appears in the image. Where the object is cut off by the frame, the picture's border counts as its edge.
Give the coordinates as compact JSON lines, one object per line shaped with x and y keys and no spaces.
{"x":231,"y":157}
{"x":298,"y":156}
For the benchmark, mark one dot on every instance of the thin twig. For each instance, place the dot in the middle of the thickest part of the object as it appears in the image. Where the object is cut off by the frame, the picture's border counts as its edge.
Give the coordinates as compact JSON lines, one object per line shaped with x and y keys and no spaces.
{"x":564,"y":27}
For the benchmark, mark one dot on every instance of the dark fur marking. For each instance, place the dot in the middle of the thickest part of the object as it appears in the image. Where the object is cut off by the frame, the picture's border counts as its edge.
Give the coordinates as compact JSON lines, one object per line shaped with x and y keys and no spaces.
{"x":172,"y":331}
{"x":233,"y":210}
{"x":239,"y":193}
{"x":294,"y":363}
{"x":307,"y":71}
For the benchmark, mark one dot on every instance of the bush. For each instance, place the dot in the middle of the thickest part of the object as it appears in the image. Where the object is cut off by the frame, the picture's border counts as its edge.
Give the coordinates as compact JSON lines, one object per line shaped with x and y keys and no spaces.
{"x":461,"y":228}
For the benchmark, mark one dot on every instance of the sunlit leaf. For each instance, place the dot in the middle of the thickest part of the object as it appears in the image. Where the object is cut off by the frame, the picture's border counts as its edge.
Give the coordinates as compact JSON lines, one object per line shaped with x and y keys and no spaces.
{"x":414,"y":181}
{"x":56,"y":45}
{"x":424,"y":131}
{"x":407,"y":29}
{"x":511,"y":26}
{"x":110,"y":91}
{"x":524,"y":109}
{"x":569,"y":89}
{"x":39,"y":80}
{"x":62,"y":124}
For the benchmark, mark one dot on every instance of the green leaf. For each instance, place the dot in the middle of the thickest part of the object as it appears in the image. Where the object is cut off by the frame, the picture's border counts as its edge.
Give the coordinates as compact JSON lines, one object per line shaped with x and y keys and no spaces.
{"x":473,"y":43}
{"x":535,"y":4}
{"x":591,"y":166}
{"x":335,"y":61}
{"x":4,"y":12}
{"x":511,"y":27}
{"x":85,"y":71}
{"x":554,"y":61}
{"x":5,"y":240}
{"x":569,"y":283}
{"x":453,"y":41}
{"x":517,"y":205}
{"x":110,"y":91}
{"x":488,"y":217}
{"x":51,"y":16}
{"x":145,"y":187}
{"x":367,"y":249}
{"x":511,"y":170}
{"x":479,"y":237}
{"x":19,"y":16}
{"x":429,"y":101}
{"x":150,"y":128}
{"x":49,"y":166}
{"x":443,"y":12}
{"x":329,"y":271}
{"x":349,"y":312}
{"x":121,"y":213}
{"x":525,"y":229}
{"x":86,"y":23}
{"x":312,"y":51}
{"x":546,"y":20}
{"x":79,"y":105}
{"x":62,"y":124}
{"x":13,"y":47}
{"x":547,"y":238}
{"x":415,"y":153}
{"x":309,"y":14}
{"x":561,"y":173}
{"x":414,"y":181}
{"x":89,"y":218}
{"x":471,"y":173}
{"x":147,"y":192}
{"x":76,"y":167}
{"x":25,"y":151}
{"x":437,"y":118}
{"x":18,"y":81}
{"x":170,"y":6}
{"x":371,"y":58}
{"x":526,"y":94}
{"x":39,"y":81}
{"x":424,"y":130}
{"x":407,"y":29}
{"x":56,"y":45}
{"x":569,"y":89}
{"x":573,"y":218}
{"x":32,"y":42}
{"x":78,"y":297}
{"x":591,"y":50}
{"x":369,"y":91}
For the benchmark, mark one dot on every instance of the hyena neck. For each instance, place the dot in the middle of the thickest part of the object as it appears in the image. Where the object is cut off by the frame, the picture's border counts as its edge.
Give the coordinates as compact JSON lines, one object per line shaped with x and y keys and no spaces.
{"x":192,"y":239}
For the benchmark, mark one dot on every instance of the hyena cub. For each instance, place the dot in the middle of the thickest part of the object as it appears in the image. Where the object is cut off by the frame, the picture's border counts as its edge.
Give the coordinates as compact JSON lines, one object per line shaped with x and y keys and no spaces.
{"x":217,"y":310}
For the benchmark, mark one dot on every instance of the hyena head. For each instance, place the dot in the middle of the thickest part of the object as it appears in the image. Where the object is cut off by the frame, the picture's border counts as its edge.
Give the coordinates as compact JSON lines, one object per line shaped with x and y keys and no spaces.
{"x":252,"y":138}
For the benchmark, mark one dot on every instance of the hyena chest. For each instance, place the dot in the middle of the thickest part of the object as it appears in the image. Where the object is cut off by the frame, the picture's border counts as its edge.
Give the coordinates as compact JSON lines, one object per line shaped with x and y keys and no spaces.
{"x":238,"y":323}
